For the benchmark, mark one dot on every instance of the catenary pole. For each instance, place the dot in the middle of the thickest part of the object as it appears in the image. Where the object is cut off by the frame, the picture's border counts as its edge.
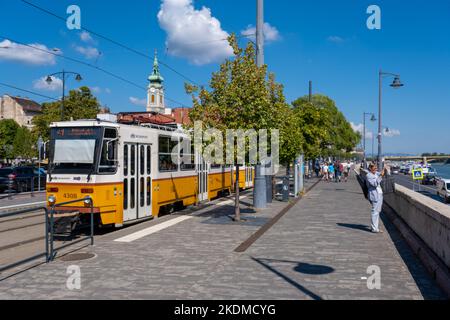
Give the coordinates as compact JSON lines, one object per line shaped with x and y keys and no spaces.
{"x":261,"y":183}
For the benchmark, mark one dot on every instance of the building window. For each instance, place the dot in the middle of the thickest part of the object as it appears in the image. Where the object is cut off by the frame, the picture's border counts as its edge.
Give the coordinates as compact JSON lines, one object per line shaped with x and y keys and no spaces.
{"x":153,"y":98}
{"x":161,"y":100}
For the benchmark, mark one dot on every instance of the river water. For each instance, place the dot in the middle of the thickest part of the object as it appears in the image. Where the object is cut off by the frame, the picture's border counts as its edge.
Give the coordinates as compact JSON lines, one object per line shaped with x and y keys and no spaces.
{"x":443,"y":170}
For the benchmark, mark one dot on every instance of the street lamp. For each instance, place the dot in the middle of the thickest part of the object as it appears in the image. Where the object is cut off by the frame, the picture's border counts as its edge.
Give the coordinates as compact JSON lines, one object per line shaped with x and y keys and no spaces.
{"x":396,"y":84}
{"x":373,"y":119}
{"x":49,"y":81}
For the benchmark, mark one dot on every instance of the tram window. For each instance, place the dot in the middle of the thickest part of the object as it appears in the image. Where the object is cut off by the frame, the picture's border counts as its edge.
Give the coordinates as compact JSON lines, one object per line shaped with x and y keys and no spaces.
{"x":187,"y":157}
{"x":125,"y":160}
{"x":216,"y":166}
{"x":108,"y":159}
{"x":148,"y":191}
{"x":142,"y":192}
{"x":125,"y":194}
{"x":133,"y":160}
{"x":168,"y":154}
{"x":142,"y":160}
{"x":149,"y":162}
{"x":133,"y":194}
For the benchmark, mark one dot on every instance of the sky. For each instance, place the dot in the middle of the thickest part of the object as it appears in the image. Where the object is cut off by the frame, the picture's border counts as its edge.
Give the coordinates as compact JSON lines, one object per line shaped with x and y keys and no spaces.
{"x":325,"y":41}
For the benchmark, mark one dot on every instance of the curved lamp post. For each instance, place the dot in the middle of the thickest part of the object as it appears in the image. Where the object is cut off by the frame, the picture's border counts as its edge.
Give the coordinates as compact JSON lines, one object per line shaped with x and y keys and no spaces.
{"x":396,"y":84}
{"x":49,"y":81}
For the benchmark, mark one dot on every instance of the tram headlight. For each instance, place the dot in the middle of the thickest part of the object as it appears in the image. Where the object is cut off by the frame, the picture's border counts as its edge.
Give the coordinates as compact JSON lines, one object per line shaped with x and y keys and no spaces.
{"x":87,"y":201}
{"x":52,"y":200}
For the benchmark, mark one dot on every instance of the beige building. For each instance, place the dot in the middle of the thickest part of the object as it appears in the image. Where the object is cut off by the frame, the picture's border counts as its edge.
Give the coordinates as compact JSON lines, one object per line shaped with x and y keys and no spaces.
{"x":22,"y":110}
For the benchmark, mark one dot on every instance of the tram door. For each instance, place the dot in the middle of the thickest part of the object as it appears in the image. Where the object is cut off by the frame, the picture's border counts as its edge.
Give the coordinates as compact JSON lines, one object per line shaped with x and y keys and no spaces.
{"x":202,"y":175}
{"x":137,"y":183}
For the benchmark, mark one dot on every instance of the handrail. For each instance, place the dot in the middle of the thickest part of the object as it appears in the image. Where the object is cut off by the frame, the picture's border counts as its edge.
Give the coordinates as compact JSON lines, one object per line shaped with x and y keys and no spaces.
{"x":50,"y":251}
{"x":86,"y":200}
{"x":37,"y":256}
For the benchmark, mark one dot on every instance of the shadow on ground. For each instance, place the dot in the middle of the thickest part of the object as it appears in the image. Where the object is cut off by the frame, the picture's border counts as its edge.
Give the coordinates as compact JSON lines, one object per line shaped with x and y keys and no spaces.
{"x":300,"y":267}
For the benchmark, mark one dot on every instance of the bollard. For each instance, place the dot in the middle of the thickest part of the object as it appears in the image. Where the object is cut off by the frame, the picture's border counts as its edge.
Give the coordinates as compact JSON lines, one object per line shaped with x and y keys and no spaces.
{"x":285,"y":191}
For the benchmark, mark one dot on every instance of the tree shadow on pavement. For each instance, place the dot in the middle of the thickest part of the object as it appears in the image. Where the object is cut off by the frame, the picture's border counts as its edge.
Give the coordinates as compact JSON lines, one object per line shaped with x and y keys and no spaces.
{"x":300,"y":267}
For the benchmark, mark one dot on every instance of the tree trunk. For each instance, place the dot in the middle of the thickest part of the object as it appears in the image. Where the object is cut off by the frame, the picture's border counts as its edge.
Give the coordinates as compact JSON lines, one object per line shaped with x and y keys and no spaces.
{"x":237,"y":205}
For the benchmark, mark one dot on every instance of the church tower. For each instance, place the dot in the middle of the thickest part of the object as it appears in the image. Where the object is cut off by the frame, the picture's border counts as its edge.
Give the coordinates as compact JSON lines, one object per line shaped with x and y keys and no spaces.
{"x":155,"y":92}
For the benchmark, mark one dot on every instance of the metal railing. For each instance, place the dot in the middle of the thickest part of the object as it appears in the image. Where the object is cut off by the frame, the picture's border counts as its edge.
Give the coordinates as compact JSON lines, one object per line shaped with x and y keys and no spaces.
{"x":45,"y":254}
{"x":86,"y":201}
{"x":50,"y":250}
{"x":25,"y":185}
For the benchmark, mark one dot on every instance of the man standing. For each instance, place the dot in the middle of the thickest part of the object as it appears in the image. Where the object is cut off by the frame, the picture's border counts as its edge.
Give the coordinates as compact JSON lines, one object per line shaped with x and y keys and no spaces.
{"x":373,"y":181}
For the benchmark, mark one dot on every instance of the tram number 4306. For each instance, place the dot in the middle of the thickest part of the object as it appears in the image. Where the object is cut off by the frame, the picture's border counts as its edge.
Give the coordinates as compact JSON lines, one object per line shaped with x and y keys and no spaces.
{"x":70,"y":196}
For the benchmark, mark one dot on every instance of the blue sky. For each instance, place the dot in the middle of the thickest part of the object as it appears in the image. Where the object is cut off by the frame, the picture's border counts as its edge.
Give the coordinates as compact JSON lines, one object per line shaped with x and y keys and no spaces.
{"x":323,"y":41}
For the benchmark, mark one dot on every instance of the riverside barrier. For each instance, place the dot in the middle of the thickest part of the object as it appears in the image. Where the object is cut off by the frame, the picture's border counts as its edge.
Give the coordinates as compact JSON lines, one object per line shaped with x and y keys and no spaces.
{"x":425,"y":225}
{"x":428,"y":218}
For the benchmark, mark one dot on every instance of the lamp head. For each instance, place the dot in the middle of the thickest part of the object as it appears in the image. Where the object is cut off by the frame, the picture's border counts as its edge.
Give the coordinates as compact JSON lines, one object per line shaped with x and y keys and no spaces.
{"x":49,"y":80}
{"x":397,"y":83}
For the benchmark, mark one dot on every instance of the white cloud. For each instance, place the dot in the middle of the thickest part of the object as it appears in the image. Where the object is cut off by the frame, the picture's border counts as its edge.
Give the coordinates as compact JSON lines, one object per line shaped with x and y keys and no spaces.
{"x":360,"y":129}
{"x":108,"y":90}
{"x":391,"y":133}
{"x":41,"y":84}
{"x":16,"y":52}
{"x":86,"y":37}
{"x":271,"y":33}
{"x":369,"y":134}
{"x":88,"y":52}
{"x":336,"y":39}
{"x":138,"y":102}
{"x":96,"y":90}
{"x":193,"y":34}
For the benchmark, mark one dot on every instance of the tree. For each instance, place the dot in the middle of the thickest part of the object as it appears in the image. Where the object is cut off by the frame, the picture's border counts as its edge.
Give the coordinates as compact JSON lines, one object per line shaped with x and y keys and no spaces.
{"x":80,"y":104}
{"x":240,"y":97}
{"x":24,"y":144}
{"x":323,"y":123}
{"x":8,"y":131}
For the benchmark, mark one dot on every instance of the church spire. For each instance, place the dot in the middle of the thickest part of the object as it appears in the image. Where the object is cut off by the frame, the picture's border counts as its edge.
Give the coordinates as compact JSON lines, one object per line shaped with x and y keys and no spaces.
{"x":155,"y":92}
{"x":155,"y":77}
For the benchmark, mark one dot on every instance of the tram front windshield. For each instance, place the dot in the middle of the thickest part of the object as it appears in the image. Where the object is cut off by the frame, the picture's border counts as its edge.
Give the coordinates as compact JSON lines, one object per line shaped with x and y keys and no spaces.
{"x":74,"y":150}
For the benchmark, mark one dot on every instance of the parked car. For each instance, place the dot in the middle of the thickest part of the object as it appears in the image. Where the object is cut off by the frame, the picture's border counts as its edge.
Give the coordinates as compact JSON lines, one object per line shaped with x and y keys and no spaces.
{"x":429,"y":179}
{"x":443,"y":190}
{"x":395,"y":170}
{"x":20,"y":179}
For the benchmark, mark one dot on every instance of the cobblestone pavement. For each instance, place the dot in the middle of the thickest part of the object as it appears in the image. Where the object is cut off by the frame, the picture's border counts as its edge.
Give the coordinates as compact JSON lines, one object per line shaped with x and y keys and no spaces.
{"x":320,"y":249}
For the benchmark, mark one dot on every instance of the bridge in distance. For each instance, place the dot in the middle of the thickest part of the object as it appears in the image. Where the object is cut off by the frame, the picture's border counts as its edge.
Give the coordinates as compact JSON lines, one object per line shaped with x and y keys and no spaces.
{"x":424,"y":159}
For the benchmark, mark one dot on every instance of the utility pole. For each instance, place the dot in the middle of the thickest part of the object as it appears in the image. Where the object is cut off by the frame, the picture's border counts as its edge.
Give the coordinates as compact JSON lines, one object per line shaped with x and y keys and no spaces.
{"x":261,"y":189}
{"x":260,"y":33}
{"x":310,"y":91}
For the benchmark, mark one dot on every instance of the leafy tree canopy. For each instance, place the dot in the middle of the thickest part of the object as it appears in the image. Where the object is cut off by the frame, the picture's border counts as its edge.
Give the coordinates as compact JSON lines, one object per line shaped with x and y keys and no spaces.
{"x":79,"y":104}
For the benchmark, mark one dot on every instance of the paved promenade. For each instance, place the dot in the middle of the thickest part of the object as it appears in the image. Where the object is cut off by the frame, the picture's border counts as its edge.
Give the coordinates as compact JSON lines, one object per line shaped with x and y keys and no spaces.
{"x":320,"y":249}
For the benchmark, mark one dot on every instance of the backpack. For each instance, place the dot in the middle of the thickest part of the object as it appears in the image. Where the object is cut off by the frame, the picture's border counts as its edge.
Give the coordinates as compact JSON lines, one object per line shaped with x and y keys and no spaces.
{"x":362,"y":183}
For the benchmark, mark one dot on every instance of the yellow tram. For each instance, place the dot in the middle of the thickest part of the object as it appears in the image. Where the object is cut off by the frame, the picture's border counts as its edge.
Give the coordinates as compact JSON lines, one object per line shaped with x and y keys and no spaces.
{"x":129,"y":171}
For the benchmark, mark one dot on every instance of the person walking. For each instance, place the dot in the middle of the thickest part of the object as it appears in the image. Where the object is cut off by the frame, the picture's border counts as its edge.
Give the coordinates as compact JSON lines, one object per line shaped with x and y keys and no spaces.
{"x":317,"y":168}
{"x":331,"y":170}
{"x":325,"y":171}
{"x":347,"y":169}
{"x":373,"y":182}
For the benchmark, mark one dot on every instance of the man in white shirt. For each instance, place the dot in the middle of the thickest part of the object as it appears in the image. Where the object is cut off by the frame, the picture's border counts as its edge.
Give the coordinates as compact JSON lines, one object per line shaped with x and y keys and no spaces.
{"x":325,"y":172}
{"x":373,"y":181}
